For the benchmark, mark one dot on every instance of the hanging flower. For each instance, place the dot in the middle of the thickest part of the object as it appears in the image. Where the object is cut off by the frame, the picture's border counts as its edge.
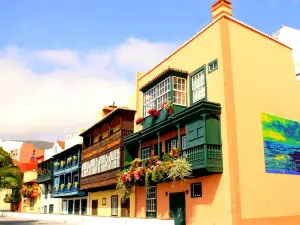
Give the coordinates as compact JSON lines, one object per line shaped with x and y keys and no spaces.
{"x":62,"y":163}
{"x":76,"y":184}
{"x":69,"y":186}
{"x":56,"y":187}
{"x":62,"y":186}
{"x":153,"y":113}
{"x":75,"y":157}
{"x":139,"y":121}
{"x":56,"y":164}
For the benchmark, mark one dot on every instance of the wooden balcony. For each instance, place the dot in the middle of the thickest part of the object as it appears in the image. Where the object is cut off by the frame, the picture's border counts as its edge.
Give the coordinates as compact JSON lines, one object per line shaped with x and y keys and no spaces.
{"x":98,"y":148}
{"x":206,"y":156}
{"x":67,"y":192}
{"x":43,"y":178}
{"x":99,"y":180}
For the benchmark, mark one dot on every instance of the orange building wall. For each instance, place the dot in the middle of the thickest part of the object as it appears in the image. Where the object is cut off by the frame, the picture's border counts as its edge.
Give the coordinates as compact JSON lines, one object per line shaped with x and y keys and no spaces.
{"x":205,"y":205}
{"x":268,"y":85}
{"x":26,"y":151}
{"x":204,"y":48}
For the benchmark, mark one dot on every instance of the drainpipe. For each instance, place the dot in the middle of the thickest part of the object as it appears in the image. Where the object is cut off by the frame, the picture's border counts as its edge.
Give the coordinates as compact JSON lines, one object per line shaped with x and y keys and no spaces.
{"x":158,"y":143}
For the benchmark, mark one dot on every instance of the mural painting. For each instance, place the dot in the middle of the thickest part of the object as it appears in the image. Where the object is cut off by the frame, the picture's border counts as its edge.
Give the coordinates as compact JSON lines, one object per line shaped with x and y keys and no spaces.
{"x":281,"y":144}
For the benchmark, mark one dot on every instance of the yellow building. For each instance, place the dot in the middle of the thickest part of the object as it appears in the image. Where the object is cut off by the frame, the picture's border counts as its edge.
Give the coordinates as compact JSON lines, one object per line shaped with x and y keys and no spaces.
{"x":252,"y":77}
{"x":102,"y":158}
{"x":31,"y":198}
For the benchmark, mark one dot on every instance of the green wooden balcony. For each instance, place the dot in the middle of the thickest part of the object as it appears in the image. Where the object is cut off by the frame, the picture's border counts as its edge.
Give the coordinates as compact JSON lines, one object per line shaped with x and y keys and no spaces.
{"x":45,"y":177}
{"x":204,"y":156}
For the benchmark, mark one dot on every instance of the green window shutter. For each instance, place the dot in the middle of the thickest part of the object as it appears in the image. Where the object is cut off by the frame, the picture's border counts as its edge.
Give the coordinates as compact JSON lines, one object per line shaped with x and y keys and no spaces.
{"x":213,"y":135}
{"x":195,"y":133}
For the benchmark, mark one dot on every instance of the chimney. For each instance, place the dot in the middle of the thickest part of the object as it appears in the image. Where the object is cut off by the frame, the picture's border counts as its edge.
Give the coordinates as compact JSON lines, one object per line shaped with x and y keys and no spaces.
{"x":107,"y":109}
{"x":221,"y":7}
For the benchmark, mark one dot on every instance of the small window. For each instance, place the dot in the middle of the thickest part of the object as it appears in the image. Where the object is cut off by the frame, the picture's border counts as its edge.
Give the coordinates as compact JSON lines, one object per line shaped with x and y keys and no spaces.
{"x":114,"y":205}
{"x":146,"y":152}
{"x":149,"y":100}
{"x":213,"y":66}
{"x":151,"y":202}
{"x":183,"y":142}
{"x":198,"y":86}
{"x":31,"y":202}
{"x":196,"y":190}
{"x":171,"y":144}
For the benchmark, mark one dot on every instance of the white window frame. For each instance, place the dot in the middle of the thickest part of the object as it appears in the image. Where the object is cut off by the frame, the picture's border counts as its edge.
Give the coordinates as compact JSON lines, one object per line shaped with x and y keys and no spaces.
{"x":181,"y":90}
{"x":172,"y":144}
{"x":198,"y":86}
{"x":146,"y":153}
{"x":183,"y":142}
{"x":149,"y":100}
{"x":163,"y":92}
{"x":114,"y":205}
{"x":151,"y":199}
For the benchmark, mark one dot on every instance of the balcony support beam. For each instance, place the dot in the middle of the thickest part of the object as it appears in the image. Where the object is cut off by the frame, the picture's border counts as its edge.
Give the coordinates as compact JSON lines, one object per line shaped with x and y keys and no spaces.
{"x":158,"y":144}
{"x":178,"y":137}
{"x":140,"y":148}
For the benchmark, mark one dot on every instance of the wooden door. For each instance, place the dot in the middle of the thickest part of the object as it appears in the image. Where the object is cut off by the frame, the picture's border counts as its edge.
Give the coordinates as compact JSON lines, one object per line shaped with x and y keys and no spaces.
{"x":177,"y":208}
{"x":94,"y":207}
{"x":125,"y":212}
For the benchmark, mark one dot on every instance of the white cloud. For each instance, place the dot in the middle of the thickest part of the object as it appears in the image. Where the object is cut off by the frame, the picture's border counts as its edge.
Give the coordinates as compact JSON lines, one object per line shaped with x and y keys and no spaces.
{"x":64,"y":57}
{"x":48,"y":104}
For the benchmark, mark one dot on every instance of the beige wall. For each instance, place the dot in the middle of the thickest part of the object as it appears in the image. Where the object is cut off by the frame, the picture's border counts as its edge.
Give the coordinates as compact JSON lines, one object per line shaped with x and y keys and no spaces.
{"x":264,"y":81}
{"x":4,"y":206}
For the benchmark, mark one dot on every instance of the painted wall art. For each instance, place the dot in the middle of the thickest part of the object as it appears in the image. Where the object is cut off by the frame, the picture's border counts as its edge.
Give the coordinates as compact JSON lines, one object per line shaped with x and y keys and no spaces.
{"x":281,"y":144}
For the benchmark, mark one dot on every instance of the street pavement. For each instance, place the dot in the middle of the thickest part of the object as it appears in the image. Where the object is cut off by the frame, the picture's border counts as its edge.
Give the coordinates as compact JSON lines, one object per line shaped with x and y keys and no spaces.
{"x":21,"y":221}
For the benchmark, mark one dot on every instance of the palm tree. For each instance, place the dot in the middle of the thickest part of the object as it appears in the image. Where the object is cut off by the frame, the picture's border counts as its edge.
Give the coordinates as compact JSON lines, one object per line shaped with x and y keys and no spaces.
{"x":10,"y":174}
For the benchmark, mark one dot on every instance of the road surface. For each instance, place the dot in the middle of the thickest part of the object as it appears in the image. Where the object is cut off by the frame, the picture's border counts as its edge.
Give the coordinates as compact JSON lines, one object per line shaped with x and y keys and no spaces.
{"x":21,"y":221}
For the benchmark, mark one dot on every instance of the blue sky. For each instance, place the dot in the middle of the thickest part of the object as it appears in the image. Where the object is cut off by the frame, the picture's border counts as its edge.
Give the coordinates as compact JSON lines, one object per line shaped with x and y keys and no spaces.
{"x":100,"y":24}
{"x":62,"y":61}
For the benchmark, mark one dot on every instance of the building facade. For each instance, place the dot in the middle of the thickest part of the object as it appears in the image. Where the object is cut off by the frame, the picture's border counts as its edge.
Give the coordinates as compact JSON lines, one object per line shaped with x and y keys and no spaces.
{"x":233,"y":119}
{"x":67,"y":181}
{"x":102,"y":158}
{"x":31,"y":197}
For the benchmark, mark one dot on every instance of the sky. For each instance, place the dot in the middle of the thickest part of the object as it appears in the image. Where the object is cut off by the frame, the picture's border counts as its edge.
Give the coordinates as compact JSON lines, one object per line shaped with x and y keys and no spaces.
{"x":62,"y":61}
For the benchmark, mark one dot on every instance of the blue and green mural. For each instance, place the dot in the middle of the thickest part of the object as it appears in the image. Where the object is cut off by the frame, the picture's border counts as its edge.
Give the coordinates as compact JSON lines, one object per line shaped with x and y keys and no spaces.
{"x":281,"y":144}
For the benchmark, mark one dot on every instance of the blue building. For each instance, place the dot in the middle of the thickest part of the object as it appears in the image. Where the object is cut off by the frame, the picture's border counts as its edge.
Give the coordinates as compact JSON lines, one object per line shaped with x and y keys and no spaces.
{"x":66,"y":182}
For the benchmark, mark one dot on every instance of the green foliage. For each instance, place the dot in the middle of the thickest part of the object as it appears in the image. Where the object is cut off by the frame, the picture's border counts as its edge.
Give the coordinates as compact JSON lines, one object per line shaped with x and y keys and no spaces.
{"x":180,"y":170}
{"x":10,"y":174}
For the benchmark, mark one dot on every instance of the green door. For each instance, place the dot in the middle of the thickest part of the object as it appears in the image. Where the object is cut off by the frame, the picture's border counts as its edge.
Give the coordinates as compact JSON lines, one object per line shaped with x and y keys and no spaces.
{"x":177,"y":208}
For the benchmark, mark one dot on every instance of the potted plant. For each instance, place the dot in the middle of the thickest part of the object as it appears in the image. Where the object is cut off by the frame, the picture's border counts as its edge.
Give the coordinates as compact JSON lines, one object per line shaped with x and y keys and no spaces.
{"x":8,"y":198}
{"x":69,"y":186}
{"x":139,"y":121}
{"x":62,"y":163}
{"x":56,"y":164}
{"x":62,"y":186}
{"x":153,"y":113}
{"x":69,"y":160}
{"x":75,"y":157}
{"x":169,"y":107}
{"x":76,"y":184}
{"x":57,"y":187}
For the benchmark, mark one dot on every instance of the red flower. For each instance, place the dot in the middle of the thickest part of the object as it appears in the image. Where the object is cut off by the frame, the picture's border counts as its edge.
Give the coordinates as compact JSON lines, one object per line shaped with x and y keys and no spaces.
{"x":162,"y":105}
{"x":123,"y":177}
{"x":139,"y":121}
{"x":153,"y":113}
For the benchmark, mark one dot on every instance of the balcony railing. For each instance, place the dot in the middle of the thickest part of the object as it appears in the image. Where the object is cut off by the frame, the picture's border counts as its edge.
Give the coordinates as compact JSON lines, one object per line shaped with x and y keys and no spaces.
{"x":67,"y":192}
{"x":41,"y":178}
{"x":68,"y":167}
{"x":204,"y":156}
